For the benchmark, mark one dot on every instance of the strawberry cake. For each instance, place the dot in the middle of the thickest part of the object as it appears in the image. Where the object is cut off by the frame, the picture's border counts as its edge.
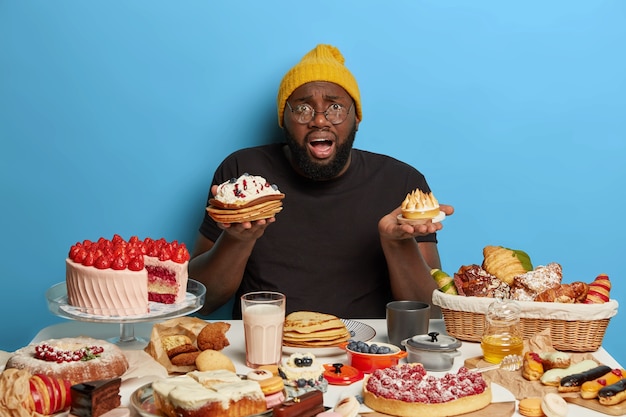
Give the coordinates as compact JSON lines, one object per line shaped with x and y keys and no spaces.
{"x":406,"y":390}
{"x":118,"y":277}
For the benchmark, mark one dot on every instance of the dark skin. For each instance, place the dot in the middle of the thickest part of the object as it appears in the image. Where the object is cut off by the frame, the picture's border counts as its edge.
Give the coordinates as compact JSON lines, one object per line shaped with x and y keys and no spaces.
{"x":220,"y":265}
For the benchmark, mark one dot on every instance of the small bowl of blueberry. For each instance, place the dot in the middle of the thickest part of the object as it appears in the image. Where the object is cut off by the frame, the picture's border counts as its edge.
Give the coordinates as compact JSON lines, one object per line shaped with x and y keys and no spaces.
{"x":368,"y":357}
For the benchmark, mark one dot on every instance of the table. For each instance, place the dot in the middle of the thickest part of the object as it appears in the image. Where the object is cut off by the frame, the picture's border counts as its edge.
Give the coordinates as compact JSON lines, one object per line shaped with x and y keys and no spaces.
{"x":236,"y":351}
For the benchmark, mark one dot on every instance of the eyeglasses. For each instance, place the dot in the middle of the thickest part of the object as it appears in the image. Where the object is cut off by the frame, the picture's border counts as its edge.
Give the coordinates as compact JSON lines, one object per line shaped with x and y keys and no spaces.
{"x":304,"y":113}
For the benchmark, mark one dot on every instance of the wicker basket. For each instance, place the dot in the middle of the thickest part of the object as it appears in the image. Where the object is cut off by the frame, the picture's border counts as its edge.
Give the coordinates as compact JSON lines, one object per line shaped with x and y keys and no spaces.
{"x":573,"y":327}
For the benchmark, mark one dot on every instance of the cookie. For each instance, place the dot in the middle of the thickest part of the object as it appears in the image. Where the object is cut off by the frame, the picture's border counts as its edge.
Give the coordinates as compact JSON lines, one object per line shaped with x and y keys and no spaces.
{"x":185,"y":359}
{"x":213,"y":336}
{"x":531,"y":407}
{"x":173,"y":341}
{"x":212,"y":360}
{"x":186,"y":348}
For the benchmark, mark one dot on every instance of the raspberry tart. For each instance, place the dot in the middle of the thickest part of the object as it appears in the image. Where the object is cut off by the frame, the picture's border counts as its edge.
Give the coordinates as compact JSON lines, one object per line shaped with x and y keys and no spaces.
{"x":407,"y":391}
{"x":118,"y":277}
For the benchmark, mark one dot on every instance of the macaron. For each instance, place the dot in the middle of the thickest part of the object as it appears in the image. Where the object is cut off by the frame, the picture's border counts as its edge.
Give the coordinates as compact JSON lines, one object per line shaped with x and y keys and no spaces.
{"x":348,"y":407}
{"x":274,"y":399}
{"x":271,"y":385}
{"x":530,"y":407}
{"x":259,"y":375}
{"x":553,"y":405}
{"x":328,"y":413}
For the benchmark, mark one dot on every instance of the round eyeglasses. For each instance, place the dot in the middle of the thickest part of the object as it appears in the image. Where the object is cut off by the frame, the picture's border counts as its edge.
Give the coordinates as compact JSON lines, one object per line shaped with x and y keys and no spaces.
{"x":304,"y":113}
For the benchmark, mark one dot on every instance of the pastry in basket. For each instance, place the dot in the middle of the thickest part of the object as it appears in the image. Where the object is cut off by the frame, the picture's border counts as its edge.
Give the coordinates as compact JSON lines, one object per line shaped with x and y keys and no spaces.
{"x":576,"y":292}
{"x":247,"y":198}
{"x":444,"y":281}
{"x":419,"y":207}
{"x":599,"y":290}
{"x":406,"y":390}
{"x":505,"y":263}
{"x":473,"y":280}
{"x":527,"y":286}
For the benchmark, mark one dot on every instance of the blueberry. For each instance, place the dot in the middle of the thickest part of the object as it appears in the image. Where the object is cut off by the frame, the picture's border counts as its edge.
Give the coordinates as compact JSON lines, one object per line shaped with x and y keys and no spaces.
{"x":311,"y":382}
{"x":301,"y":383}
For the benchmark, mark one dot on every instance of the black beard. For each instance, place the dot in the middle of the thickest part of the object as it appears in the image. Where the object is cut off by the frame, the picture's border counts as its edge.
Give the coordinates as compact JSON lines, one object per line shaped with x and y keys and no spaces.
{"x":316,"y":171}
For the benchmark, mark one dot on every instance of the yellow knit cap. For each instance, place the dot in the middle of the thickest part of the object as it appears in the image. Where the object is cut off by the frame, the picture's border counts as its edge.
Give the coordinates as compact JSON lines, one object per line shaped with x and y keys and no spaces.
{"x":323,"y":63}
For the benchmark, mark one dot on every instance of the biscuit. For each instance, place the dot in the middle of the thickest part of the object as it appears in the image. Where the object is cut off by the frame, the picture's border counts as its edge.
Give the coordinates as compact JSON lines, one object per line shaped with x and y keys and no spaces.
{"x":213,"y":336}
{"x":212,"y":360}
{"x":530,"y":407}
{"x":185,"y":359}
{"x":186,"y":348}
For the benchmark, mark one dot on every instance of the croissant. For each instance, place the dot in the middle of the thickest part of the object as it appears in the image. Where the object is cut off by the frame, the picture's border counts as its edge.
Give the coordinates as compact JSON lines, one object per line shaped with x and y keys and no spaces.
{"x":575,"y":292}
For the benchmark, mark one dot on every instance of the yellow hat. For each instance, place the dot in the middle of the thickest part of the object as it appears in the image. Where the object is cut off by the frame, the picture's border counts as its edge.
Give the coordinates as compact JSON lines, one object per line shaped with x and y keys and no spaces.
{"x":323,"y":63}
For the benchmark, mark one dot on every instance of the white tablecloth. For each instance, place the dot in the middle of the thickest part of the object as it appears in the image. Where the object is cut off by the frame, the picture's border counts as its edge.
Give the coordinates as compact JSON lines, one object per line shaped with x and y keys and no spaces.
{"x":236,"y":351}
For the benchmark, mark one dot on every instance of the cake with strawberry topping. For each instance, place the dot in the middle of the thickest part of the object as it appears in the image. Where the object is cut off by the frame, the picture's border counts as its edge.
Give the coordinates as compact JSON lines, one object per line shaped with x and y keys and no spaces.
{"x":407,"y":390}
{"x":118,"y":278}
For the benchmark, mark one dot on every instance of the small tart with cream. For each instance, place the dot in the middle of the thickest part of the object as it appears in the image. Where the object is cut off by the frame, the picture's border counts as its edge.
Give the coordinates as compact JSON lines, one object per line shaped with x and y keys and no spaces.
{"x":419,"y":207}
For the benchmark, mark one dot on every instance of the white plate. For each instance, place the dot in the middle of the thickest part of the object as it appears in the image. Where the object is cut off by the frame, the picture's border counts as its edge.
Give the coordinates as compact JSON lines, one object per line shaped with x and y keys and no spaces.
{"x":359,"y":332}
{"x":438,"y":218}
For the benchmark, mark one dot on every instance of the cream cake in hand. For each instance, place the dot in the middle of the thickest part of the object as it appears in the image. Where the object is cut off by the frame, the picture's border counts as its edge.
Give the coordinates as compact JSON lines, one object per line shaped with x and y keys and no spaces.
{"x":419,"y":207}
{"x":247,"y":198}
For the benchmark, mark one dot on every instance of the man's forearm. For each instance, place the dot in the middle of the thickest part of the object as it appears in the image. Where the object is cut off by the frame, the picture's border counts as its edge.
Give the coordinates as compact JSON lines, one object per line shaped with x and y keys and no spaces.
{"x":409,"y":266}
{"x":220,"y":269}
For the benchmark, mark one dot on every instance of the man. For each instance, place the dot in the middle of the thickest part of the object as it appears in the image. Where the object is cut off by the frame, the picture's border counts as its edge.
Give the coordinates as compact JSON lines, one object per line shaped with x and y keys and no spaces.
{"x":337,"y":246}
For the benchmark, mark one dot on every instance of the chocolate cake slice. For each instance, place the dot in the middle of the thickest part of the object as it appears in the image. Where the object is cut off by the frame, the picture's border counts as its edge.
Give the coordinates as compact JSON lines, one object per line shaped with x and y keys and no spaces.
{"x":94,"y":398}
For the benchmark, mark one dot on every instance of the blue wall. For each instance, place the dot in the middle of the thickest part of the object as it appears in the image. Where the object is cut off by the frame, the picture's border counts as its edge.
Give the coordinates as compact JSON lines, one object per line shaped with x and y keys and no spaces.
{"x":113,"y":116}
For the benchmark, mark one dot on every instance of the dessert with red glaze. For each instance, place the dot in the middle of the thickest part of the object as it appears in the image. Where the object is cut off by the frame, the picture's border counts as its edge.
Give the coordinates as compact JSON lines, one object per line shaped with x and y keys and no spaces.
{"x":118,"y":277}
{"x":407,"y":390}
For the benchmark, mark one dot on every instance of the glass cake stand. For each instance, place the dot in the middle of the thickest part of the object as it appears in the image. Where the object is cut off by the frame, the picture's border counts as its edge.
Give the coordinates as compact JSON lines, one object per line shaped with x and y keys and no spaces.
{"x":58,"y":305}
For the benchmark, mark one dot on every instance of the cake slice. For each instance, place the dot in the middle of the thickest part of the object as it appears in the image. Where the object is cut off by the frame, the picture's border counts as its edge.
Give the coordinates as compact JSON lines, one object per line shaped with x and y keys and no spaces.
{"x":93,"y":399}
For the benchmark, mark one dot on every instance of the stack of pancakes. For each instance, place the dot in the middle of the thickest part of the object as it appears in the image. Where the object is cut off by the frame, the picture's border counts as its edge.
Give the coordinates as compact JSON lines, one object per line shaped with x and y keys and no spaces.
{"x":310,"y":329}
{"x":257,"y":209}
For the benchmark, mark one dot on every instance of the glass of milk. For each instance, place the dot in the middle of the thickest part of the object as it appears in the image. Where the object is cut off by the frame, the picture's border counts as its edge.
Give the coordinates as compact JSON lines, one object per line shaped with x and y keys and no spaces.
{"x":263,"y":315}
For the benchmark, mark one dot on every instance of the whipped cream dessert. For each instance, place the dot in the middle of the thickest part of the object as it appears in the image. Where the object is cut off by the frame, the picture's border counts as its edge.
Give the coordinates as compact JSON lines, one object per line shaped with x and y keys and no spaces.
{"x":419,"y":205}
{"x":246,"y":188}
{"x":207,"y":393}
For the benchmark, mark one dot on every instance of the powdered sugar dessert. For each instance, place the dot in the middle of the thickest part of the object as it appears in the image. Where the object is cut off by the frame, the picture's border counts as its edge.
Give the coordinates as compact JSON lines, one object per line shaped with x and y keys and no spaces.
{"x":407,"y":391}
{"x":78,"y":359}
{"x":208,"y":394}
{"x":247,"y":198}
{"x":419,"y":207}
{"x":118,"y":277}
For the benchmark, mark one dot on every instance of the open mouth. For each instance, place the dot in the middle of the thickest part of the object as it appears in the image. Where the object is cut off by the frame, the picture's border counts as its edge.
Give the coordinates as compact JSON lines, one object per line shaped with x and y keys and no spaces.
{"x":321,"y":148}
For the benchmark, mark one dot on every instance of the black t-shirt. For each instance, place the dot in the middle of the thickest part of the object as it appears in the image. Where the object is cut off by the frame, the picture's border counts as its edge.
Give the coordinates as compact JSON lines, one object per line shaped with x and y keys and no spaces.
{"x":323,"y":252}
